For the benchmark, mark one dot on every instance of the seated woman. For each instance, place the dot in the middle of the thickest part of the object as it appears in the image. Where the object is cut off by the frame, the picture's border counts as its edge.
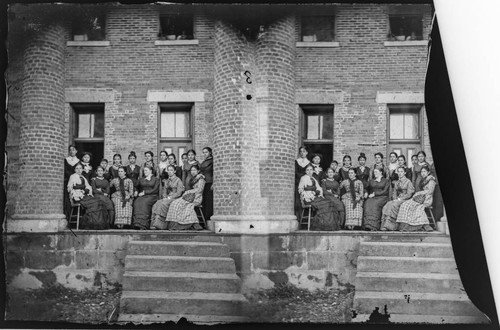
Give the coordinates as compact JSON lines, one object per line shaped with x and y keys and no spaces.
{"x":186,"y":167}
{"x":417,"y":177}
{"x":403,"y":190}
{"x":122,"y":198}
{"x":353,"y":200}
{"x":375,"y":199}
{"x":326,"y":217}
{"x":411,"y":216}
{"x":171,"y":190}
{"x":100,"y":187}
{"x":379,"y":157}
{"x":331,"y":191}
{"x":96,"y":216}
{"x":173,"y":161}
{"x":146,"y":197}
{"x":148,"y":157}
{"x":161,"y":168}
{"x":181,"y":214}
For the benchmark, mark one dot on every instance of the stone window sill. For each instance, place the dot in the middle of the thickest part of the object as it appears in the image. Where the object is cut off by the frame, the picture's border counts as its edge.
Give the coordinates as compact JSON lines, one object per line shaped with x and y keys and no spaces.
{"x":175,"y":42}
{"x":406,"y":43}
{"x":318,"y":44}
{"x":100,"y":43}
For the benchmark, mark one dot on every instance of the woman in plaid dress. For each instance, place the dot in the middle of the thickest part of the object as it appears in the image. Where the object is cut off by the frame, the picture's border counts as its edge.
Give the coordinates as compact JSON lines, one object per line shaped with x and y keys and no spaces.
{"x":353,"y":200}
{"x":172,"y":190}
{"x":181,"y":214}
{"x":122,"y":198}
{"x":411,"y":216}
{"x":403,"y":190}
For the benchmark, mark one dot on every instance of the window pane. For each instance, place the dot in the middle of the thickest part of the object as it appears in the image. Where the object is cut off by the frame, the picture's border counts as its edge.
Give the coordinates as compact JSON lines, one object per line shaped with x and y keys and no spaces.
{"x":318,"y":28}
{"x":411,"y":152}
{"x":98,"y":127}
{"x":84,"y":125}
{"x":406,"y":27}
{"x":397,"y":151}
{"x":312,"y":127}
{"x":168,"y":150}
{"x":411,"y":126}
{"x":181,"y":124}
{"x":396,"y":126}
{"x":327,"y":126}
{"x":167,"y":124}
{"x":179,"y":158}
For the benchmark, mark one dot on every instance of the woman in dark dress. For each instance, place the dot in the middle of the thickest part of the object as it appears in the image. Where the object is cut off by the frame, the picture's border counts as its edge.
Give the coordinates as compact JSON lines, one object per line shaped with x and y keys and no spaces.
{"x":335,"y":166}
{"x":186,"y":167}
{"x":69,"y":168}
{"x":300,"y":170}
{"x":362,"y":171}
{"x":207,"y":169}
{"x":148,"y":156}
{"x":133,"y":171}
{"x":393,"y":164}
{"x":344,"y":170}
{"x":104,"y":165}
{"x":117,"y":164}
{"x":173,"y":161}
{"x":147,"y":195}
{"x":380,"y":165}
{"x":101,"y":187}
{"x":161,"y":168}
{"x":331,"y":191}
{"x":375,"y":199}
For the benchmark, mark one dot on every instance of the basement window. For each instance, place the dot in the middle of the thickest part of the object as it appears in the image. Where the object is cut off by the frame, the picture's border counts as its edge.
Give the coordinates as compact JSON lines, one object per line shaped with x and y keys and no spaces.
{"x":318,"y":28}
{"x":176,"y":26}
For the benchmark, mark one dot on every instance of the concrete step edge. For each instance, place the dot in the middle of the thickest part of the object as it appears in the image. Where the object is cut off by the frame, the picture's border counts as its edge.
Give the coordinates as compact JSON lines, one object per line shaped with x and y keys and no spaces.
{"x":410,"y":244}
{"x":430,"y":319}
{"x":432,"y":276}
{"x":225,"y":276}
{"x":389,"y":258}
{"x":237,"y":297}
{"x":413,"y":295}
{"x":175,"y":243}
{"x":193,"y":258}
{"x":194,"y":318}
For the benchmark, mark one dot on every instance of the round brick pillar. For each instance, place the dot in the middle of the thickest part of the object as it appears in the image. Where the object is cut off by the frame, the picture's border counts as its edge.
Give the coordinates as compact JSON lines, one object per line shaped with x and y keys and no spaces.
{"x":39,"y":202}
{"x":254,"y":129}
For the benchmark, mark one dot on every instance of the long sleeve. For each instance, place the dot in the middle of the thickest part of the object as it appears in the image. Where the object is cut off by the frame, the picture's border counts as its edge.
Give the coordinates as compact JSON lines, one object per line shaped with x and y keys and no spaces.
{"x":73,"y":179}
{"x":94,"y":187}
{"x":384,"y":191}
{"x":153,"y":187}
{"x":198,"y":187}
{"x":304,"y":181}
{"x":409,"y":192}
{"x":179,"y":191}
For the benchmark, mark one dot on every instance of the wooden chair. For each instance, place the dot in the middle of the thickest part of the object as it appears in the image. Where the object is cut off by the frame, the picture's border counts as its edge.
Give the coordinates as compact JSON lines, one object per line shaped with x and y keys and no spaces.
{"x":308,"y":209}
{"x":430,"y":216}
{"x":77,"y":206}
{"x":201,"y":217}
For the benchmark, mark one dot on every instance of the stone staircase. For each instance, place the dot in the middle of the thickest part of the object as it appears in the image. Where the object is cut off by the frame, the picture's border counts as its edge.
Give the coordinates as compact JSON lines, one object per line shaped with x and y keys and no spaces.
{"x":416,"y":277}
{"x":165,"y":280}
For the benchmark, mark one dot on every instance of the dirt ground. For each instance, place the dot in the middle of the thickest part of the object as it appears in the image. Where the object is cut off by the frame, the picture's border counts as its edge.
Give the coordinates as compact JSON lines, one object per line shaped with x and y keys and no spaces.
{"x":284,"y":303}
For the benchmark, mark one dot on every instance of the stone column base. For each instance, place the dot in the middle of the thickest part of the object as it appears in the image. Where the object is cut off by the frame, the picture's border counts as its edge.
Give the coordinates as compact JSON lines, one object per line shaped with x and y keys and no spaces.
{"x":36,"y":223}
{"x":253,"y":224}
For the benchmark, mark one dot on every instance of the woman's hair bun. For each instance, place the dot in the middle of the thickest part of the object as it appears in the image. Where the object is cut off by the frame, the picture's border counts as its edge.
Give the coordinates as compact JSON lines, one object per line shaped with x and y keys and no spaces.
{"x":362,"y":154}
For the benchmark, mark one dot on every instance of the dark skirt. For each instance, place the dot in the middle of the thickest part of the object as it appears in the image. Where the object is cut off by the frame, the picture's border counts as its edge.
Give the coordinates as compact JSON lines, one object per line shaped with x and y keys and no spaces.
{"x":373,"y":212}
{"x":142,"y":210}
{"x":96,"y":215}
{"x":110,"y":207}
{"x":326,"y":216}
{"x":338,"y":206}
{"x":208,"y":201}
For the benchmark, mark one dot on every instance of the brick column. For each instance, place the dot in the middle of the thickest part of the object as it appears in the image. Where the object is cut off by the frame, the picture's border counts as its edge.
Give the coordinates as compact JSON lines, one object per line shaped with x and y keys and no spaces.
{"x":39,"y":203}
{"x":254,"y":129}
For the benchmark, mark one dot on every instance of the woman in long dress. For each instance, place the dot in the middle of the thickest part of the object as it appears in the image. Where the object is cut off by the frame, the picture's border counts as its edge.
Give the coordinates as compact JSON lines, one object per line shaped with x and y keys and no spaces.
{"x":100,"y":187}
{"x":403,"y":190}
{"x":331,"y":191}
{"x":353,"y":200}
{"x":79,"y":189}
{"x":207,"y":169}
{"x":69,"y":168}
{"x":393,"y":164}
{"x":161,"y":168}
{"x":300,"y":170}
{"x":411,"y":216}
{"x":362,"y":171}
{"x":344,"y":170}
{"x":181,"y":214}
{"x":376,"y":197}
{"x":133,"y":170}
{"x":122,"y":198}
{"x":146,"y":197}
{"x":186,"y":167}
{"x":171,"y":190}
{"x":113,"y":169}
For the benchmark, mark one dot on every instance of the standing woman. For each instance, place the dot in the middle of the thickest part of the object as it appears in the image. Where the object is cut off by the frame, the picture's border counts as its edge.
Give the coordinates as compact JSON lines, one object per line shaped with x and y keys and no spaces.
{"x":403,"y":190}
{"x":353,"y":200}
{"x":417,"y":177}
{"x":411,"y":216}
{"x":146,"y":197}
{"x":88,"y":173}
{"x":186,"y":167}
{"x":414,"y":161}
{"x":379,"y":164}
{"x":375,"y":199}
{"x":362,"y":171}
{"x":133,"y":170}
{"x":331,"y":191}
{"x":207,"y":169}
{"x":344,"y":170}
{"x":318,"y":174}
{"x":393,"y":163}
{"x":162,"y":165}
{"x":148,"y":155}
{"x":300,"y":170}
{"x":401,"y":163}
{"x":171,"y":190}
{"x":69,"y":168}
{"x":100,"y":187}
{"x":122,"y":198}
{"x":181,"y":214}
{"x":173,"y":161}
{"x":113,"y":169}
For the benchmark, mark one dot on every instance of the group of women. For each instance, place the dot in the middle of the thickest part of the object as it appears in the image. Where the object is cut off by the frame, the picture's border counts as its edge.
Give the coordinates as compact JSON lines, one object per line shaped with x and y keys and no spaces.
{"x":161,"y":196}
{"x":380,"y":197}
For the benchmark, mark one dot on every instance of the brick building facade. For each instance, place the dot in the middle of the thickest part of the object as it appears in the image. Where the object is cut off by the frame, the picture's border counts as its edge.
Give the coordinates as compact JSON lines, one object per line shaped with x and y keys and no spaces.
{"x":253,"y":82}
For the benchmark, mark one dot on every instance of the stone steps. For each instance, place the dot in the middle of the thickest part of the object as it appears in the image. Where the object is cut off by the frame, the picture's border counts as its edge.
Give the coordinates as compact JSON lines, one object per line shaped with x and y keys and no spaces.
{"x":415,"y":277}
{"x":165,"y":280}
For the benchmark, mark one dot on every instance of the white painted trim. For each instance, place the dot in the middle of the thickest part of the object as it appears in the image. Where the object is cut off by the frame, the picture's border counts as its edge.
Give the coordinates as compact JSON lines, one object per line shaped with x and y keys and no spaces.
{"x":400,"y":97}
{"x":89,"y":95}
{"x":91,"y":43}
{"x":163,"y":96}
{"x":406,"y":43}
{"x":176,"y":42}
{"x":318,"y":44}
